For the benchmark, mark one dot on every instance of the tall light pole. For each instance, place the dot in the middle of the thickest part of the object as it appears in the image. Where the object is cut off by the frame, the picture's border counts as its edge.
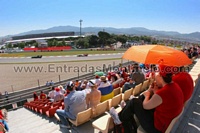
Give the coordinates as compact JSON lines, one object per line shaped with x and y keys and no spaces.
{"x":80,"y":25}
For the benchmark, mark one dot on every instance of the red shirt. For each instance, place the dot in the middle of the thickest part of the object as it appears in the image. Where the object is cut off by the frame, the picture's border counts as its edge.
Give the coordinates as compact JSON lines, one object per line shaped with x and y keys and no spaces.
{"x":184,"y":80}
{"x":43,"y":96}
{"x":172,"y":105}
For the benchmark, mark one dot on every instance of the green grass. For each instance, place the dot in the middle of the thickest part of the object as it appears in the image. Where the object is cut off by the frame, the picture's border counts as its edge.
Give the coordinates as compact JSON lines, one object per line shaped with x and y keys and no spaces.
{"x":58,"y":53}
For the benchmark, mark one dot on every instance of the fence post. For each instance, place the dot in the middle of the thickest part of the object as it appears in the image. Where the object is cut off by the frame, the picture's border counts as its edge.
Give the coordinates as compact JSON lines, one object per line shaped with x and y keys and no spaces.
{"x":59,"y":78}
{"x":78,"y":74}
{"x":38,"y":83}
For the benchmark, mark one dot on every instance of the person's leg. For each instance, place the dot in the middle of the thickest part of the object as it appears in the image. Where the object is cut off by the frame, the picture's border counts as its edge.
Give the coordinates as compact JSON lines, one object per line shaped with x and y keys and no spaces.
{"x":6,"y":125}
{"x":145,"y":117}
{"x":63,"y":117}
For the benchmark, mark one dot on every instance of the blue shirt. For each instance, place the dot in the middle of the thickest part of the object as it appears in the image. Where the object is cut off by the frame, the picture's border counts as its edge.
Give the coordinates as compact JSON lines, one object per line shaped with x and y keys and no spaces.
{"x":74,"y":103}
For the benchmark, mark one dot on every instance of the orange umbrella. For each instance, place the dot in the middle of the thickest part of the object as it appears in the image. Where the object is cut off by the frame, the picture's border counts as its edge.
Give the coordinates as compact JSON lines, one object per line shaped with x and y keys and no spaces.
{"x":157,"y":54}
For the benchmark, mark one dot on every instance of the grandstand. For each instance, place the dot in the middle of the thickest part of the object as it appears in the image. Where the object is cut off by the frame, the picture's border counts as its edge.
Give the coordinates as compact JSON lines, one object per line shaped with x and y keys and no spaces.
{"x":28,"y":120}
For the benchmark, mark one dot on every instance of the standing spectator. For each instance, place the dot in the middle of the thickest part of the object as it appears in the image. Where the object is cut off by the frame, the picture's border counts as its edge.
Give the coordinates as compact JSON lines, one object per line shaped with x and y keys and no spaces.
{"x":47,"y":83}
{"x":74,"y":103}
{"x":6,"y":95}
{"x":51,"y":83}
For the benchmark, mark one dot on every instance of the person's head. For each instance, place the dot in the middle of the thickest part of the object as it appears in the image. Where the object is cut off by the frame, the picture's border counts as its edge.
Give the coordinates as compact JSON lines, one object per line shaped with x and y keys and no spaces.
{"x":113,"y":78}
{"x":92,"y":85}
{"x":41,"y":92}
{"x":70,"y":86}
{"x":85,"y":82}
{"x":164,"y":76}
{"x":103,"y":79}
{"x":52,"y":88}
{"x":135,"y":66}
{"x":131,"y":81}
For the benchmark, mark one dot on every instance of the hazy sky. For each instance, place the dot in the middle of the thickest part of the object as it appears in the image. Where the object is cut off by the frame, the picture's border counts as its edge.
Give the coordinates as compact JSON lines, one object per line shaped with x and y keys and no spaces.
{"x":18,"y":16}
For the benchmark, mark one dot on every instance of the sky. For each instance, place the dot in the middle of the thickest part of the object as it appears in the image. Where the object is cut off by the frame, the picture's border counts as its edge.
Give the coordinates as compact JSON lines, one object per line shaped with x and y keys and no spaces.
{"x":17,"y":16}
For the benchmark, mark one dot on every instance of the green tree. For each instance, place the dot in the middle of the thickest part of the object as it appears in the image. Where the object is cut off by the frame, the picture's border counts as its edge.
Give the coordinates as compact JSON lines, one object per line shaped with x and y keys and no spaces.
{"x":9,"y":45}
{"x":21,"y":45}
{"x":63,"y":42}
{"x":122,"y":39}
{"x":103,"y":37}
{"x":93,"y":41}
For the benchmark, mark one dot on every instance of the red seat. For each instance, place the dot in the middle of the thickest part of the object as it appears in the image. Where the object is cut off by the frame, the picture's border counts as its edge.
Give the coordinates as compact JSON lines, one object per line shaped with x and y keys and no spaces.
{"x":44,"y":109}
{"x":51,"y":111}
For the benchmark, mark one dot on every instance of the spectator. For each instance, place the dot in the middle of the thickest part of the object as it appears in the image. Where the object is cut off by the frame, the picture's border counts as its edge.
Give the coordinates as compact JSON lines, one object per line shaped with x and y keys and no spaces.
{"x":51,"y":83}
{"x":184,"y":80}
{"x":47,"y":83}
{"x":93,"y":98}
{"x":74,"y":103}
{"x":128,"y":85}
{"x":51,"y":93}
{"x":42,"y":95}
{"x":35,"y":96}
{"x":58,"y":95}
{"x":6,"y":95}
{"x":106,"y":89}
{"x":62,"y":90}
{"x":154,"y":111}
{"x":97,"y":80}
{"x":3,"y":121}
{"x":137,"y":76}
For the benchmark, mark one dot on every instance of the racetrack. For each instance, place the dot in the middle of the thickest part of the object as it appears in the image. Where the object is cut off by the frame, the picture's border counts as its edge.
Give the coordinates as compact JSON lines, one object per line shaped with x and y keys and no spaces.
{"x":58,"y":58}
{"x":52,"y":68}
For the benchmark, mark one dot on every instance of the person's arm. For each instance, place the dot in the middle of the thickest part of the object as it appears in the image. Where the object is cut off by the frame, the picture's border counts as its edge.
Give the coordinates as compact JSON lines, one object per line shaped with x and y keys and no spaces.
{"x":88,"y":100}
{"x":151,"y":103}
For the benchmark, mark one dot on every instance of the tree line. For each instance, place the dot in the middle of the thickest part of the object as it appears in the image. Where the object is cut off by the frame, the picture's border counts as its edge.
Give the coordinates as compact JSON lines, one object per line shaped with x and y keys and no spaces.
{"x":100,"y":40}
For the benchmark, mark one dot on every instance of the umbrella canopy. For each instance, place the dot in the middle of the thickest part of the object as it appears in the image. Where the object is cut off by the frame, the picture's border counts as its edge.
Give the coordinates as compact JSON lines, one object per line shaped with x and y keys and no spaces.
{"x":157,"y":54}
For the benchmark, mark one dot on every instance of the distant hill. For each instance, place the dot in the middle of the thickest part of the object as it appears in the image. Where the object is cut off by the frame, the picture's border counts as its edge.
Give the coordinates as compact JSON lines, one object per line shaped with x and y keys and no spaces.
{"x":131,"y":31}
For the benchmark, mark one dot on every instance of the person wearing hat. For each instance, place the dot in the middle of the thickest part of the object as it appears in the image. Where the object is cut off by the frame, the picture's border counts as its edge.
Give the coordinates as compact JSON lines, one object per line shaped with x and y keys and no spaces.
{"x":106,"y":89}
{"x":162,"y":102}
{"x":58,"y":95}
{"x":93,"y":98}
{"x":74,"y":103}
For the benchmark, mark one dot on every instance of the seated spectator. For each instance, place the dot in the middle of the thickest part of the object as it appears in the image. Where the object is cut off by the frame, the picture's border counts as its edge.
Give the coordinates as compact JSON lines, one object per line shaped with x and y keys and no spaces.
{"x":97,"y":80}
{"x":42,"y":95}
{"x":58,"y":95}
{"x":93,"y":98}
{"x":137,"y":76}
{"x":3,"y":121}
{"x":62,"y":90}
{"x":51,"y":93}
{"x":74,"y":103}
{"x":35,"y":96}
{"x":151,"y":72}
{"x":106,"y":89}
{"x":128,"y":85}
{"x":184,"y":80}
{"x":84,"y":85}
{"x":154,"y":111}
{"x":113,"y":78}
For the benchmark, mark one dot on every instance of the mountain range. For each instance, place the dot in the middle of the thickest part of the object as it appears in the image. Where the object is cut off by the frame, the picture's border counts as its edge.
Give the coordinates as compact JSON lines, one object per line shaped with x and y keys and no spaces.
{"x":192,"y":37}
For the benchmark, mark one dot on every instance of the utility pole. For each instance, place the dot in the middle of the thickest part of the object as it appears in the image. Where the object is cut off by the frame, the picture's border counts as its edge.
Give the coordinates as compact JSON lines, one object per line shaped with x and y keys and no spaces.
{"x":80,"y":25}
